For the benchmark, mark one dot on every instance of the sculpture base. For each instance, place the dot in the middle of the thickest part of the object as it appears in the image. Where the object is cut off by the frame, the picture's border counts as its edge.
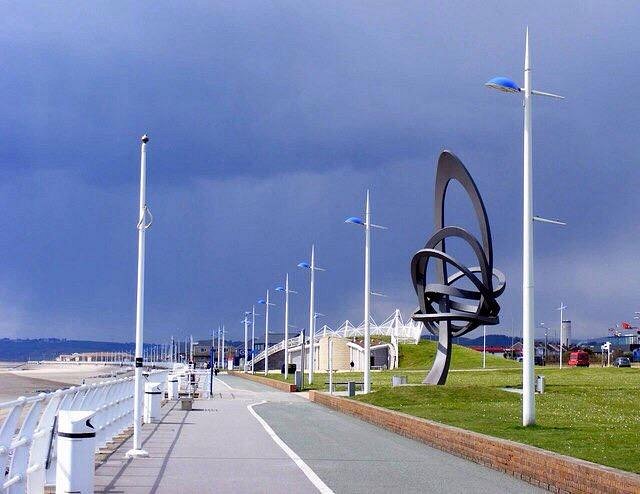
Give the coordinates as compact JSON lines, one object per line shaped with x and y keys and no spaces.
{"x":440,"y":369}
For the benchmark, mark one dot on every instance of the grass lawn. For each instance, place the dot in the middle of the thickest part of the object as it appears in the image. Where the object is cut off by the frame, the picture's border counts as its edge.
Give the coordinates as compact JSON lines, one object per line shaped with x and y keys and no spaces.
{"x":589,"y":413}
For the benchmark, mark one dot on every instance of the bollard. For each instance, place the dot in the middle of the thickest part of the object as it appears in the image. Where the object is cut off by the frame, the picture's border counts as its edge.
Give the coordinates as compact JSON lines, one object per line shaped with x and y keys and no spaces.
{"x":540,"y":384}
{"x":172,"y":388}
{"x":299,"y":378}
{"x":152,"y":396}
{"x":398,"y":380}
{"x":186,"y":403}
{"x":351,"y":388}
{"x":75,"y":454}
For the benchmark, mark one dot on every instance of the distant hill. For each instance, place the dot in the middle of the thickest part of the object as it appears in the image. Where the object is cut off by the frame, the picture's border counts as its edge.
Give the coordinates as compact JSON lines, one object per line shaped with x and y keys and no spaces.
{"x":49,"y":348}
{"x":21,"y":350}
{"x":492,"y":340}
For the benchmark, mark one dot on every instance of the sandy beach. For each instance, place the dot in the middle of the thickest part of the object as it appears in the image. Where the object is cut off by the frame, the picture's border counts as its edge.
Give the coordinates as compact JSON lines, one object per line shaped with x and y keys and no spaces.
{"x":18,"y":379}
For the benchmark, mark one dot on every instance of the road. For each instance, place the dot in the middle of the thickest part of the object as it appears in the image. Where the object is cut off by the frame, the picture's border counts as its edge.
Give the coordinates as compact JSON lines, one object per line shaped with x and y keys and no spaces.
{"x":250,"y":438}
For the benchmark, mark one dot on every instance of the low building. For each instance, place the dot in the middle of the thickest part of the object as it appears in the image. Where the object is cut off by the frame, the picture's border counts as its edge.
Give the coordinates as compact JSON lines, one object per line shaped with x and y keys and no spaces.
{"x":115,"y":357}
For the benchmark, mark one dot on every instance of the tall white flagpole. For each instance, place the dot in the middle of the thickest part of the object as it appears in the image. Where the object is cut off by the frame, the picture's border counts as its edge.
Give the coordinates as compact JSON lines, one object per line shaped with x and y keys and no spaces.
{"x":137,"y":451}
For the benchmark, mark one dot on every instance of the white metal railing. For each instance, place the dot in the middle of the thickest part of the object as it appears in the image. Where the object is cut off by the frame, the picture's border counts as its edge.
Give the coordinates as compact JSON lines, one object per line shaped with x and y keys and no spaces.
{"x":27,"y":434}
{"x":191,"y":381}
{"x":292,"y":342}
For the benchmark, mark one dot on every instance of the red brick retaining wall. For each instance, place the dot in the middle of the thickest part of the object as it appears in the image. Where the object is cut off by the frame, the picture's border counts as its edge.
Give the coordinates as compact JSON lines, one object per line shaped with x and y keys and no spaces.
{"x":552,"y":471}
{"x":281,"y":385}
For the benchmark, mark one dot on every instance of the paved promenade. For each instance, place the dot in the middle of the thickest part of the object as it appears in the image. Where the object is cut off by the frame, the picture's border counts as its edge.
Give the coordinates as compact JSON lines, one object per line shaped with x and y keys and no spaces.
{"x":250,"y":438}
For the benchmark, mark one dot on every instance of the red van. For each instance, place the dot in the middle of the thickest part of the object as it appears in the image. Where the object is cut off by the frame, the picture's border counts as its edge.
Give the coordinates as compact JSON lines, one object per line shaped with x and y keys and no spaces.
{"x":579,"y":359}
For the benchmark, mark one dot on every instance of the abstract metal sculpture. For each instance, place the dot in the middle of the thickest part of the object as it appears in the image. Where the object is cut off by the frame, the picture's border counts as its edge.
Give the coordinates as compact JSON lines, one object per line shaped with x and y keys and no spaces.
{"x":443,"y":309}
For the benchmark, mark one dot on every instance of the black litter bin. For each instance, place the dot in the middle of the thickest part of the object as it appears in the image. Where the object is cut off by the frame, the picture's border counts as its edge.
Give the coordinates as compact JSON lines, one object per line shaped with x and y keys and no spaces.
{"x":292,"y":369}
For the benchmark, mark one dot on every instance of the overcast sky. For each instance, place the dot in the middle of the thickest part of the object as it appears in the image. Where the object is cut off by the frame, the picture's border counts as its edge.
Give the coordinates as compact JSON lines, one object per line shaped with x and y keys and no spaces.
{"x":269,"y":120}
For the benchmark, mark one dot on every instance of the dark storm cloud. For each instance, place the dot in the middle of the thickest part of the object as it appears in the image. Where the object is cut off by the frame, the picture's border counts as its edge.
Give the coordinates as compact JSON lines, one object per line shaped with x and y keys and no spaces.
{"x":268,"y":122}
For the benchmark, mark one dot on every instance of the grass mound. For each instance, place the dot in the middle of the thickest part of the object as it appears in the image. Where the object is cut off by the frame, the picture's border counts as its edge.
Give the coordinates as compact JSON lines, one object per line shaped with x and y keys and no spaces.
{"x":421,"y":356}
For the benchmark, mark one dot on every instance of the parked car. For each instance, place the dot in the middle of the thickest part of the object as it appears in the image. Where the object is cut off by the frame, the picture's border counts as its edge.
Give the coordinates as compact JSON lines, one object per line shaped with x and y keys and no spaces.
{"x":622,"y":362}
{"x":579,"y":359}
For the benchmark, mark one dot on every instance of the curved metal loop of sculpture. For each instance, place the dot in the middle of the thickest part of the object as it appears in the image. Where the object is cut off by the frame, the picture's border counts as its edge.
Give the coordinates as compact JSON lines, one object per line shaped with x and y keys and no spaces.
{"x":447,"y":310}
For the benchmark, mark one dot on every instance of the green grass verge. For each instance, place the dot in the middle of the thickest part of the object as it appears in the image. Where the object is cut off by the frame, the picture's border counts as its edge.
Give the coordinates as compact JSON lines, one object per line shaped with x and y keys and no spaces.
{"x":585,"y":413}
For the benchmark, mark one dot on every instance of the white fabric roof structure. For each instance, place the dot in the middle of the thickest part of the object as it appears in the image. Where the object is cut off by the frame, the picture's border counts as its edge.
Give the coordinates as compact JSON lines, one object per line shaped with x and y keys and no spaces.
{"x":394,"y":326}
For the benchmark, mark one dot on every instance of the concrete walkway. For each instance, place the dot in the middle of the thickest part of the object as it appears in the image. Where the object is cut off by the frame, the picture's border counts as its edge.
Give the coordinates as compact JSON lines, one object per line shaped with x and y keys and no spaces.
{"x":250,"y":438}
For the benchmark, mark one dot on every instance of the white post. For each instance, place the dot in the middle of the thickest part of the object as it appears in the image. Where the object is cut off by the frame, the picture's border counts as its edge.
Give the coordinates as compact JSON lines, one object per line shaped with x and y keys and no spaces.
{"x":312,"y":315}
{"x":286,"y":327}
{"x":484,"y":346}
{"x":367,"y":297}
{"x":266,"y":337}
{"x":224,"y":356}
{"x":136,"y":451}
{"x":561,"y":309}
{"x":330,"y":365}
{"x":528,"y":391}
{"x":246,"y":342}
{"x":219,"y":349}
{"x":253,"y":335}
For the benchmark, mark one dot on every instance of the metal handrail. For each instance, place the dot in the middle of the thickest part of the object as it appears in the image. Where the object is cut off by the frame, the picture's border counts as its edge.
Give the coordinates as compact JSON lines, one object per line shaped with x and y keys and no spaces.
{"x":27,"y":435}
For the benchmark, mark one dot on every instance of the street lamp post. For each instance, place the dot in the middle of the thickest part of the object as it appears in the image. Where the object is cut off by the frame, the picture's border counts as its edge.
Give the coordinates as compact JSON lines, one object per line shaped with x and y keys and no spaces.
{"x":546,"y":330}
{"x":286,"y":291}
{"x":144,"y":221}
{"x":246,"y":343}
{"x":218,"y":348}
{"x":224,"y":355}
{"x":561,"y":309}
{"x":484,"y":346}
{"x":266,"y":303}
{"x":367,"y":288}
{"x":253,"y":336}
{"x":507,"y":85}
{"x":312,"y":323}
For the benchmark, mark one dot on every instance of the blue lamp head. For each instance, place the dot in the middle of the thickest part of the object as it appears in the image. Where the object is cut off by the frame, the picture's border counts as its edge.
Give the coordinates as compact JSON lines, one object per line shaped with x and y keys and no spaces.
{"x":503,"y":84}
{"x":304,"y":265}
{"x":354,"y":220}
{"x":279,"y":289}
{"x":262,"y":301}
